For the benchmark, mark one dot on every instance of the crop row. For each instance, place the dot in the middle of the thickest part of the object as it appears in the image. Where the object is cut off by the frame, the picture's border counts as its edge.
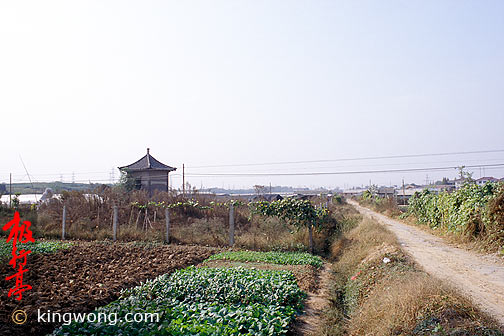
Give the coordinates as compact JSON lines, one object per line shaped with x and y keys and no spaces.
{"x":282,"y":258}
{"x":36,"y":247}
{"x":203,"y":301}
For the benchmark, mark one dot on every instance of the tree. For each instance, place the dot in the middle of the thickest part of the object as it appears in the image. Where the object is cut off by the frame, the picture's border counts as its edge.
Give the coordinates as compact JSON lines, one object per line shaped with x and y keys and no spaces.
{"x":300,"y":213}
{"x":464,"y":174}
{"x":260,"y":189}
{"x":126,"y":181}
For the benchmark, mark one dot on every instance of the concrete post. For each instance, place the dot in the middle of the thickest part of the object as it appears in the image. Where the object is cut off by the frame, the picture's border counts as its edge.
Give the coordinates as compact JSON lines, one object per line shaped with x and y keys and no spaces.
{"x":63,"y":224}
{"x":167,"y":218}
{"x":114,"y":223}
{"x":231,"y":224}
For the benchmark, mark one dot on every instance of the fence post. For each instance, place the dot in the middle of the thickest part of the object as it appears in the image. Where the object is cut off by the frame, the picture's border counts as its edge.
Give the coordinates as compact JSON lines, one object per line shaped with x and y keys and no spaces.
{"x":231,"y":224}
{"x":114,"y":223}
{"x":63,"y":224}
{"x":167,"y":218}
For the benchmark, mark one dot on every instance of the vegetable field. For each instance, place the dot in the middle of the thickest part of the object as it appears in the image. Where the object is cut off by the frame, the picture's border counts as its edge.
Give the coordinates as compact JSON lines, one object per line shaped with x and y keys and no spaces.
{"x":209,"y":301}
{"x":206,"y":301}
{"x":256,"y":293}
{"x":83,"y":276}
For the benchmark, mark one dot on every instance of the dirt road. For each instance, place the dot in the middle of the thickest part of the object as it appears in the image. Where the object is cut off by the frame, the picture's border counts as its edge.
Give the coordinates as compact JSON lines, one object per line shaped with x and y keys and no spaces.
{"x":481,"y":278}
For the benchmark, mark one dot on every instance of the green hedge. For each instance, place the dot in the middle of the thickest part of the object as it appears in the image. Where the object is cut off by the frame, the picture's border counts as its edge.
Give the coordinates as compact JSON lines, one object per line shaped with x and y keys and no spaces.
{"x":475,"y":211}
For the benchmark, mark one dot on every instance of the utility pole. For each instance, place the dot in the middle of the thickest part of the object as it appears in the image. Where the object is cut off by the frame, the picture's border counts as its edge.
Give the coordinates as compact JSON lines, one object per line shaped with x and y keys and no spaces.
{"x":183,"y":179}
{"x":270,"y":188}
{"x":112,"y":176}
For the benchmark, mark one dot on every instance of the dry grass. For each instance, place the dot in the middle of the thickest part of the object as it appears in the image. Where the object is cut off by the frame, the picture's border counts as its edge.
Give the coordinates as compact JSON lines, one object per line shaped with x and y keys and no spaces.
{"x":387,"y":206}
{"x":270,"y":234}
{"x":212,"y":232}
{"x":399,"y":306}
{"x":460,"y":240}
{"x":357,"y":244}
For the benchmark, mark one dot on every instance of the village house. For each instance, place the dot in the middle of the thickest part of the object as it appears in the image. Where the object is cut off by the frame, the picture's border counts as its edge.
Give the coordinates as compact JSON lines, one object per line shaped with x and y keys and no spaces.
{"x":483,"y":180}
{"x":386,"y":192}
{"x":149,"y":174}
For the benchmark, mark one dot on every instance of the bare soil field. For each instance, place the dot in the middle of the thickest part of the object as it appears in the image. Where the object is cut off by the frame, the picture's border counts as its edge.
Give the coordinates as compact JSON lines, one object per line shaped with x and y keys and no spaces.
{"x":480,"y":278}
{"x":86,"y":276}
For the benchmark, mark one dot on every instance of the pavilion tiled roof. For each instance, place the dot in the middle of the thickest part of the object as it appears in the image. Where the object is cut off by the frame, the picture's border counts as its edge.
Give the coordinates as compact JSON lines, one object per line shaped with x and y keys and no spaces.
{"x":147,"y":162}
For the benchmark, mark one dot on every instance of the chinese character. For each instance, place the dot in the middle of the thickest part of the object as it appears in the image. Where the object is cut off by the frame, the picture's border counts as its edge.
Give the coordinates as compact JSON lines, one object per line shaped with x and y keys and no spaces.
{"x":20,"y":233}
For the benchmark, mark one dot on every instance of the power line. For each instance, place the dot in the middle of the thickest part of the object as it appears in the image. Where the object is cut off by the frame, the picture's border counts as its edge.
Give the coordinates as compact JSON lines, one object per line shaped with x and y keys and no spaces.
{"x":352,"y":159}
{"x":347,"y":172}
{"x":404,"y":165}
{"x":405,"y":170}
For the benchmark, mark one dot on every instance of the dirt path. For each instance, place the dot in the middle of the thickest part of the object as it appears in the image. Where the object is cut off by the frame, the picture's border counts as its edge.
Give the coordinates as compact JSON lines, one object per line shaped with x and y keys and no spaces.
{"x":316,"y":303}
{"x":481,"y":278}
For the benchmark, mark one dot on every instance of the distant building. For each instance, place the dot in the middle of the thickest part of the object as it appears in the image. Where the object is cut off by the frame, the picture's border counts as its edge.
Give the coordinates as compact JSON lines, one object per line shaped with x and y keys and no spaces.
{"x":403,"y":195}
{"x":149,"y":174}
{"x":484,"y":180}
{"x":460,"y":182}
{"x":3,"y":188}
{"x":386,"y":191}
{"x":443,"y":187}
{"x":267,"y":197}
{"x":353,"y":192}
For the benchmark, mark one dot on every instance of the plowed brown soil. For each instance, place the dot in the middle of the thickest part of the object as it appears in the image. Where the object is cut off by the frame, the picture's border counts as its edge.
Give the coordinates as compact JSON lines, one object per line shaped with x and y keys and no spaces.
{"x":84,"y":277}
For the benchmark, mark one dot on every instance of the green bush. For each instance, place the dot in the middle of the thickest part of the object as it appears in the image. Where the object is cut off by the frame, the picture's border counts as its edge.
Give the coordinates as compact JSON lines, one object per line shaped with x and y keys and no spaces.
{"x":474,"y":211}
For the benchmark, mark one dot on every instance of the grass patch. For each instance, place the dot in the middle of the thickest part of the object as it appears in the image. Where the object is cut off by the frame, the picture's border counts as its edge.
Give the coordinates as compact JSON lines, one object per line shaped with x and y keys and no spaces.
{"x":282,"y":258}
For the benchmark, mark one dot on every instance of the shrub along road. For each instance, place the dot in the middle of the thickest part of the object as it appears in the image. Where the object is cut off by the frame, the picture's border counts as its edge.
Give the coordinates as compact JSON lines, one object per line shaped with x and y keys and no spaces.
{"x":481,"y":278}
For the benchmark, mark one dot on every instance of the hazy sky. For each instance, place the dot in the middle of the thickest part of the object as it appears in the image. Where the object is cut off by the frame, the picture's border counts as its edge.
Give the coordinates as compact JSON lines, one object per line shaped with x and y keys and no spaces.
{"x":86,"y":86}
